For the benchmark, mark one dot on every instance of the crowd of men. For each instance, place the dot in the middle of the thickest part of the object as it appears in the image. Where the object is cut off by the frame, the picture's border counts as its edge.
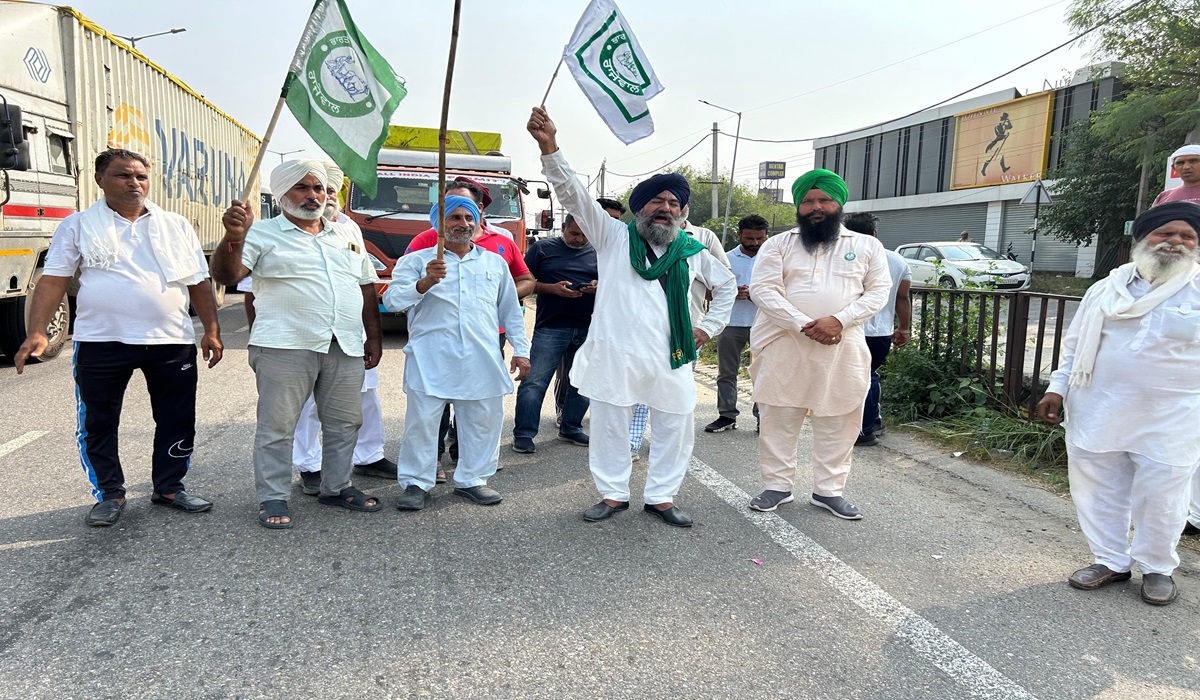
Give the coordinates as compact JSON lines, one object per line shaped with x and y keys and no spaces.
{"x":623,"y":308}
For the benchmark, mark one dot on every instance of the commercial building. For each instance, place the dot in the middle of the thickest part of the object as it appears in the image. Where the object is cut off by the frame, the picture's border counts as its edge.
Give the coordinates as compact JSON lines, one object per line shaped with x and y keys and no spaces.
{"x":966,"y":166}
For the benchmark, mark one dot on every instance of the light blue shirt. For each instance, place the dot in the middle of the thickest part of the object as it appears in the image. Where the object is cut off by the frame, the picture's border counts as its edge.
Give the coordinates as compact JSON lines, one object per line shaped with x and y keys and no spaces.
{"x":742,"y":266}
{"x":307,"y":289}
{"x":883,"y":323}
{"x":452,"y":350}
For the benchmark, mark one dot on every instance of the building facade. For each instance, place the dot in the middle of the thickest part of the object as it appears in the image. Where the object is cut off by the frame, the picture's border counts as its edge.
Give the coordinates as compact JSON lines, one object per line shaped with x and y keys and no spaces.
{"x":966,"y":166}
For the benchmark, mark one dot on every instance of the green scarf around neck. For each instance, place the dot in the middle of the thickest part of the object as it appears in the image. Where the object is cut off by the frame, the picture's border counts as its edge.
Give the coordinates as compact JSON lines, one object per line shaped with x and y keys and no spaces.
{"x":672,"y":264}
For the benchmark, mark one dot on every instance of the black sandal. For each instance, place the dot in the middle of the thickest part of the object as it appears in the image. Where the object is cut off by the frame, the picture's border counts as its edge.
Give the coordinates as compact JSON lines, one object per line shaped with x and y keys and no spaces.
{"x":351,"y":498}
{"x":276,"y":508}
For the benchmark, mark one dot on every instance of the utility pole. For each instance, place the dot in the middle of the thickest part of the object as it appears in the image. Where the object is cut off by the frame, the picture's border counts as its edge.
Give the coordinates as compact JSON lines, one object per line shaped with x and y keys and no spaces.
{"x":715,"y":196}
{"x":603,"y":166}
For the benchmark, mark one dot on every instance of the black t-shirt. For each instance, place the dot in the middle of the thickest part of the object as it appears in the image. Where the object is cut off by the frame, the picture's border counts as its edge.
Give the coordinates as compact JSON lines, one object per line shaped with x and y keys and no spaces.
{"x":551,"y":261}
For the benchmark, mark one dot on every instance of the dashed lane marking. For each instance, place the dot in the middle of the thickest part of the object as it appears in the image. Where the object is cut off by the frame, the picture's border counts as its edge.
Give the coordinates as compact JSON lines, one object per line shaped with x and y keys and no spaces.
{"x":17,"y":443}
{"x":929,"y":642}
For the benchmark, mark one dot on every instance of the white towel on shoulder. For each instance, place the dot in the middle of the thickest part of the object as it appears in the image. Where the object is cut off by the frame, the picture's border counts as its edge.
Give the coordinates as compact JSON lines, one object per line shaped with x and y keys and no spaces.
{"x":174,"y":244}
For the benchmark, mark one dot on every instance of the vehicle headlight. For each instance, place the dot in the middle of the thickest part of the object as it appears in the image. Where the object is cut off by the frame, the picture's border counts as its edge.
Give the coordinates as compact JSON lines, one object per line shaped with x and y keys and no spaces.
{"x":376,"y":263}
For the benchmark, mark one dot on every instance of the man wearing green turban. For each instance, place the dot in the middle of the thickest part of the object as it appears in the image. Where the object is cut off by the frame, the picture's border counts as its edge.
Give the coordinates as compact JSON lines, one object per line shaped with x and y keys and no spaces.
{"x":814,"y":288}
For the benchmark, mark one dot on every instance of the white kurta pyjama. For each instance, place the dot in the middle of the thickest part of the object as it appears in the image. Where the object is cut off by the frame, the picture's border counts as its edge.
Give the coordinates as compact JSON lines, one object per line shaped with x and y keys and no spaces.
{"x":794,"y":375}
{"x":452,"y":355}
{"x":625,"y":360}
{"x":1132,"y":441}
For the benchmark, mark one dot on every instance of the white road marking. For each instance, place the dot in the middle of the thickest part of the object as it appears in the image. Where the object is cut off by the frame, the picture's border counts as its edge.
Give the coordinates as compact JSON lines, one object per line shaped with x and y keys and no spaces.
{"x":18,"y":443}
{"x":243,"y":329}
{"x":952,"y":658}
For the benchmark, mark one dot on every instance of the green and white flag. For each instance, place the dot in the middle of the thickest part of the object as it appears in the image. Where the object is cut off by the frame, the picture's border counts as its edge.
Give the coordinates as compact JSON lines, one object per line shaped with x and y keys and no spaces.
{"x":343,"y":92}
{"x":611,"y":68}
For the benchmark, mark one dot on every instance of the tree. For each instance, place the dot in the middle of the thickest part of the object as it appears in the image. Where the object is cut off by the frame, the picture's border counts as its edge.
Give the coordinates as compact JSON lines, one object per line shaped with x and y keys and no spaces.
{"x":1095,"y":189}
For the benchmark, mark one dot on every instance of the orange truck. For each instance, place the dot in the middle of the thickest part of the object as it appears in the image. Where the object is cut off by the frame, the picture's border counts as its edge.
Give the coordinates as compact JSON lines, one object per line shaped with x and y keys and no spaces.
{"x":408,"y":189}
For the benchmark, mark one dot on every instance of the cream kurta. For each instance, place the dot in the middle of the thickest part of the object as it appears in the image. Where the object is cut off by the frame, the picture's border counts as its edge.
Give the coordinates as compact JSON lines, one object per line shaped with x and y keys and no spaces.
{"x":791,"y":287}
{"x":625,"y":359}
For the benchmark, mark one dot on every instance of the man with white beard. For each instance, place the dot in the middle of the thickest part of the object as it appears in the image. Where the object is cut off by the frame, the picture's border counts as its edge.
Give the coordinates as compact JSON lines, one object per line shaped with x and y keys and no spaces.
{"x":1137,"y":470}
{"x":642,"y":339}
{"x":454,"y":307}
{"x":316,"y":331}
{"x":369,"y":459}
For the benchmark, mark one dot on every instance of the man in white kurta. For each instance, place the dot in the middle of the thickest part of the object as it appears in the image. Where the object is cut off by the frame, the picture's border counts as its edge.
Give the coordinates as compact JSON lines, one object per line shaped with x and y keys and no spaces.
{"x":810,"y":351}
{"x":1129,"y":383}
{"x":454,"y":307}
{"x":626,"y":358}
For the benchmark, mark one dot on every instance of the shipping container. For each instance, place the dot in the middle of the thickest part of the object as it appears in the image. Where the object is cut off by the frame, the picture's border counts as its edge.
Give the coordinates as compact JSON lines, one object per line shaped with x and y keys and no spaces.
{"x":81,"y":90}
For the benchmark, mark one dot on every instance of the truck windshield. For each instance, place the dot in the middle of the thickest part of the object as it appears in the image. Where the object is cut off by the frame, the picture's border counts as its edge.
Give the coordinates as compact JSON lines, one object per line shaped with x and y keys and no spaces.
{"x":414,"y":193}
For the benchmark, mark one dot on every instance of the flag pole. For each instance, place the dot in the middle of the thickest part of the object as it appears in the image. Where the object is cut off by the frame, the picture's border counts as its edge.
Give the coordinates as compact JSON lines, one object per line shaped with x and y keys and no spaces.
{"x":262,"y":149}
{"x":441,"y":246}
{"x":560,"y":62}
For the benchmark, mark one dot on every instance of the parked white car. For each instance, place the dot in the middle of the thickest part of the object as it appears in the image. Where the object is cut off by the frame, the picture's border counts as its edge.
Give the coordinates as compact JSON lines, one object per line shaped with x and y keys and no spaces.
{"x":952,"y":264}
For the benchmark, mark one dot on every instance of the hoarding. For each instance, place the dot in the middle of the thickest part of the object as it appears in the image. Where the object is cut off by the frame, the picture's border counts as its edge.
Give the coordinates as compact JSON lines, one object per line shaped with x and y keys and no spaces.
{"x":772,"y":170}
{"x":1002,"y":143}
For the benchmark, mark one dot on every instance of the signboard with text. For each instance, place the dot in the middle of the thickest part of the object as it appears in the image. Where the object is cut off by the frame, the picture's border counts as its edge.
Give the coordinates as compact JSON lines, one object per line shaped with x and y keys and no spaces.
{"x":772,"y":170}
{"x":1002,"y":143}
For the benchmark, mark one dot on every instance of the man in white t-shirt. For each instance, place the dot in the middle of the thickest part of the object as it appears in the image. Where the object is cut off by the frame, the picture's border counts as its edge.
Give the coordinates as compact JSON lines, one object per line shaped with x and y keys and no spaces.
{"x":139,"y":268}
{"x":881,"y":329}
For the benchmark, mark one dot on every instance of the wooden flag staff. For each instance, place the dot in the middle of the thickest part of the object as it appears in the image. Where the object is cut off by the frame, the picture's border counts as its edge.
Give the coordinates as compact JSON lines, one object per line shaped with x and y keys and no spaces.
{"x":441,"y":227}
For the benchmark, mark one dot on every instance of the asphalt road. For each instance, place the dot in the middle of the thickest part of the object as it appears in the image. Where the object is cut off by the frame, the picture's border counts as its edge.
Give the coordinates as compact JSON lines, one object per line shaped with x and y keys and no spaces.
{"x":953,"y":586}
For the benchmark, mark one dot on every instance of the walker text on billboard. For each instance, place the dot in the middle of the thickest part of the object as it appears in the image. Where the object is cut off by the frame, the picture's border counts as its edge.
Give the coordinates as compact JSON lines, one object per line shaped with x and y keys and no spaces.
{"x":1002,"y":143}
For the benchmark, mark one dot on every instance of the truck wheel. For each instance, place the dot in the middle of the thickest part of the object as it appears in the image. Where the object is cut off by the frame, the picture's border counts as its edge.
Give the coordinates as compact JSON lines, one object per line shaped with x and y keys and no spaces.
{"x":14,"y":322}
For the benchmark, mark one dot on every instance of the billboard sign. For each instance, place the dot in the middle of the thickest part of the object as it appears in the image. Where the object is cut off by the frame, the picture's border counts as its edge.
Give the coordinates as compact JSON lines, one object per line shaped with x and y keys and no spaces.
{"x":1002,"y":143}
{"x":772,"y":170}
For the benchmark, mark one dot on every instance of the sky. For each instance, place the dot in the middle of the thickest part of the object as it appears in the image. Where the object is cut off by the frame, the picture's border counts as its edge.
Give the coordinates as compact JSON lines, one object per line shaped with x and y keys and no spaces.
{"x":794,"y":69}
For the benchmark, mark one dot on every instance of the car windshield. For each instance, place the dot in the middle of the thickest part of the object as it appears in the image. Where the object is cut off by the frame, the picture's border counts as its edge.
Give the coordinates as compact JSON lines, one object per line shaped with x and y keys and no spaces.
{"x":416,"y":192}
{"x":968,"y":252}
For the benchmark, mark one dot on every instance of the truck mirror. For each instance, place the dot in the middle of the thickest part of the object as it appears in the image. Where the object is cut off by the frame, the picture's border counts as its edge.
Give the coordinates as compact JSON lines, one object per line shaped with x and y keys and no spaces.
{"x":547,"y":220}
{"x":14,"y":149}
{"x":543,"y":193}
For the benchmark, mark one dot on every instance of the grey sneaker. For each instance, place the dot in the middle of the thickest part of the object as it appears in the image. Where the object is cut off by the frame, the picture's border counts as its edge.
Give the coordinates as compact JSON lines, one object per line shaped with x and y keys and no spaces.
{"x":768,"y":500}
{"x":482,"y":495}
{"x":838,"y":506}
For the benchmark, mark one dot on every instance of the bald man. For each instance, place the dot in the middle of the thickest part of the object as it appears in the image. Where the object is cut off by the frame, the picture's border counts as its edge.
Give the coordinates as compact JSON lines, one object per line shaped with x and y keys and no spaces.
{"x":315,"y":303}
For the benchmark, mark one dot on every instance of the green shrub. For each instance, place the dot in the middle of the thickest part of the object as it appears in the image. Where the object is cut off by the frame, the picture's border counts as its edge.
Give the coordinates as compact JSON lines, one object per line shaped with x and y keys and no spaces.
{"x":917,"y":385}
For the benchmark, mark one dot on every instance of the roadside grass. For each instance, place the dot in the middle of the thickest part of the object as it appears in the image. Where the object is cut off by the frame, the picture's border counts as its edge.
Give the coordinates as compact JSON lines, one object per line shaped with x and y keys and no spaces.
{"x":1066,"y":285}
{"x":1025,"y":447}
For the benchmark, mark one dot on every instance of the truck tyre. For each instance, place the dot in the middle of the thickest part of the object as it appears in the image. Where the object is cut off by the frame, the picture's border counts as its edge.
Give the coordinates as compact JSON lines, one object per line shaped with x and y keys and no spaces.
{"x":14,"y":322}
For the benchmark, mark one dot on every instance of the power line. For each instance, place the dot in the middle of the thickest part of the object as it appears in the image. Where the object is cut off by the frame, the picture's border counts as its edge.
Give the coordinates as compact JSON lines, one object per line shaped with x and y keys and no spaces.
{"x":665,"y":165}
{"x":1066,"y":43}
{"x":903,"y":60}
{"x":860,"y":75}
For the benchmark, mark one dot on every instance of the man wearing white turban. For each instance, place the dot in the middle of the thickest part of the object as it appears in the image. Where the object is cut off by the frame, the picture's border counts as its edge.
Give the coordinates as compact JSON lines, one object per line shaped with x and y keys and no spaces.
{"x":369,"y":459}
{"x":315,"y":303}
{"x":1185,"y":161}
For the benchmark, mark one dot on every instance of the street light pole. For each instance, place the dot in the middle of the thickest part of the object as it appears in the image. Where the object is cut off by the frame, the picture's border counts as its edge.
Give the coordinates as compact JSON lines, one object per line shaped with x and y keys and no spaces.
{"x":133,"y":40}
{"x":285,"y":153}
{"x":732,"y":168}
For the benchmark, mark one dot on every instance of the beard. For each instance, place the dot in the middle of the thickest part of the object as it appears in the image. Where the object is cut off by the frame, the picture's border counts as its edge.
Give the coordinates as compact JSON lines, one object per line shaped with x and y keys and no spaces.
{"x":298,"y":211}
{"x":459,"y":236}
{"x":815,"y":234}
{"x":656,"y":234}
{"x":1159,"y":263}
{"x":331,"y":211}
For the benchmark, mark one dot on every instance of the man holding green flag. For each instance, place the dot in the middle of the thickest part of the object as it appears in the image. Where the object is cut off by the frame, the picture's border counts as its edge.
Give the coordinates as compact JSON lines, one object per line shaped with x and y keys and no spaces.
{"x":643,"y":339}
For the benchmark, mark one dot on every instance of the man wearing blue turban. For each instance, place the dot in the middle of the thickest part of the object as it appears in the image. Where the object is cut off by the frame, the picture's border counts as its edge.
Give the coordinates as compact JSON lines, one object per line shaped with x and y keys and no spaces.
{"x":814,"y":288}
{"x":642,"y":339}
{"x":454,"y":306}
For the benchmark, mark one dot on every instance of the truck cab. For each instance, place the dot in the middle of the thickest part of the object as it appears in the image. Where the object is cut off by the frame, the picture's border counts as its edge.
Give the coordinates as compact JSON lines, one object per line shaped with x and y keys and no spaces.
{"x":408,"y":189}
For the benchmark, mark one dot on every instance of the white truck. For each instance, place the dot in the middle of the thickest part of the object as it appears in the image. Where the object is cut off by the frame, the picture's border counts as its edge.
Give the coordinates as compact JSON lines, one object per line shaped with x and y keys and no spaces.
{"x":68,"y":91}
